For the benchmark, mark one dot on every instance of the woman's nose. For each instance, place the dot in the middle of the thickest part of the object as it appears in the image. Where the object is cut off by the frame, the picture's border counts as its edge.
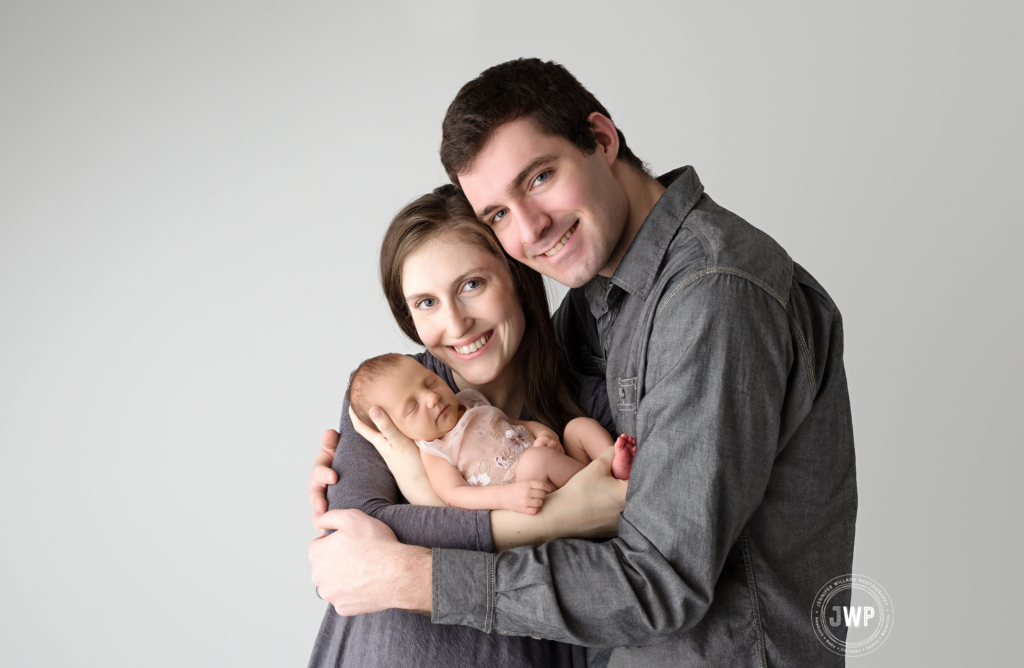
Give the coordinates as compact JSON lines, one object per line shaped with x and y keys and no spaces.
{"x":458,"y":322}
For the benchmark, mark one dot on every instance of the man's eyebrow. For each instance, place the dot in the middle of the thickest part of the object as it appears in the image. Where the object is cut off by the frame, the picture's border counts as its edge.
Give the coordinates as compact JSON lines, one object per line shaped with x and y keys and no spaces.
{"x":517,"y":182}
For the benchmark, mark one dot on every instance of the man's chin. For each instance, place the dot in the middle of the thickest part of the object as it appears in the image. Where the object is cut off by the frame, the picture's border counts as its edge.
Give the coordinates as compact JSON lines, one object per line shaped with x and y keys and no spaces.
{"x":572,"y":277}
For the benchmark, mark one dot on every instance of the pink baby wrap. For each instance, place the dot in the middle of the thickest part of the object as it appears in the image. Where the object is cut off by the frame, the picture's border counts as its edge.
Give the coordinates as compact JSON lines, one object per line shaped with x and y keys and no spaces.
{"x":484,"y":445}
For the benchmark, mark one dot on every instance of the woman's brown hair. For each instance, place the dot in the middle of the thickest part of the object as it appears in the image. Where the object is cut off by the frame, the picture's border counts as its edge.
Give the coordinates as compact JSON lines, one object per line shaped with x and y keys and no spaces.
{"x":541,"y":373}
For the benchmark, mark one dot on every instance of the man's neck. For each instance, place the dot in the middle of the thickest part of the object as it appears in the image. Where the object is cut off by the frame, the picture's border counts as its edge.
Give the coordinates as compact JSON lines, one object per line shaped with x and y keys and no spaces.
{"x":642,"y":192}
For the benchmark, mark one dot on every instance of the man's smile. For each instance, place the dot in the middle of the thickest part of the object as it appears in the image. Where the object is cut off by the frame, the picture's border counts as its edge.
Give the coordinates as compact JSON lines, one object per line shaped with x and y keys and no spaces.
{"x":561,"y":242}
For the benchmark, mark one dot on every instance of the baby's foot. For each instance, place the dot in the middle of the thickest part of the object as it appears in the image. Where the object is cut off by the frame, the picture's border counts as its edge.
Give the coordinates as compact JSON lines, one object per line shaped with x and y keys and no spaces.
{"x":625,"y":451}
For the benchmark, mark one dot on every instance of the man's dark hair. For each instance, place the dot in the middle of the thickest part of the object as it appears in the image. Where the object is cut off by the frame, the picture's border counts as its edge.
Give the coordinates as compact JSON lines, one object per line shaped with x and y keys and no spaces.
{"x":367,"y":372}
{"x":544,"y":92}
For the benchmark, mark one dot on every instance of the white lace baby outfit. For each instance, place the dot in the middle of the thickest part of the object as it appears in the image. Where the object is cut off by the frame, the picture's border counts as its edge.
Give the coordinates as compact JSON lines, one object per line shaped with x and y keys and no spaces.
{"x":483,"y":445}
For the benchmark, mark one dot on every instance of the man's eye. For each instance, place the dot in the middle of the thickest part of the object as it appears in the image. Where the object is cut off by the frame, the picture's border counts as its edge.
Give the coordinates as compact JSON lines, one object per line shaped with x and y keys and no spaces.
{"x":541,"y":178}
{"x":496,"y":218}
{"x":427,"y":302}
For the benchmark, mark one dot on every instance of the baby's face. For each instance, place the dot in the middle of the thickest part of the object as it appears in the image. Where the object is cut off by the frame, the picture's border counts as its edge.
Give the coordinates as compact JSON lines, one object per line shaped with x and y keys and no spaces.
{"x":418,"y":402}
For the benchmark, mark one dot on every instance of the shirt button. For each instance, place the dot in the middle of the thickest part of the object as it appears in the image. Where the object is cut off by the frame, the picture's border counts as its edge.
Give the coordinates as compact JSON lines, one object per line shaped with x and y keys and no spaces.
{"x":622,"y":393}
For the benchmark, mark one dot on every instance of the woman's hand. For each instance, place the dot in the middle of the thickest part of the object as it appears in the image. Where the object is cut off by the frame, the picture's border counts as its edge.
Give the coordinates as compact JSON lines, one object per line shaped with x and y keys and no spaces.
{"x":401,"y":455}
{"x":387,"y":439}
{"x":588,"y":506}
{"x":322,"y":476}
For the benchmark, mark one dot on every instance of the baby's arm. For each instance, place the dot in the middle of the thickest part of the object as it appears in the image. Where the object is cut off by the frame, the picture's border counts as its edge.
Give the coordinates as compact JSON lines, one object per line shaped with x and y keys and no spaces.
{"x":524,"y":497}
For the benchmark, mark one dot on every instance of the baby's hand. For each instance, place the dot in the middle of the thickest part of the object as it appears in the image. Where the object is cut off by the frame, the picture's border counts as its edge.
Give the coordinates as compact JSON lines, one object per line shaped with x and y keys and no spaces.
{"x":548,"y":440}
{"x":527,"y":497}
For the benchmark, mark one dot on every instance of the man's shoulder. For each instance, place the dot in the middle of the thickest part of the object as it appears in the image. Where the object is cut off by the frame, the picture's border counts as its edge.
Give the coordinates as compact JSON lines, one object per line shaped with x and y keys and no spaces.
{"x":713,"y":240}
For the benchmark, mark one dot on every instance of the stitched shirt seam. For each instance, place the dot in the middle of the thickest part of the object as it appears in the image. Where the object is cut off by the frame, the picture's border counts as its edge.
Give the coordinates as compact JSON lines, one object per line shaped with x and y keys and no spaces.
{"x":755,"y":608}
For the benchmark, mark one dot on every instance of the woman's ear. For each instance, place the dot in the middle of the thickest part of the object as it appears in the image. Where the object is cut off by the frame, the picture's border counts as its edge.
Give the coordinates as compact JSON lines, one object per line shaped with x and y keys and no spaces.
{"x":606,"y":135}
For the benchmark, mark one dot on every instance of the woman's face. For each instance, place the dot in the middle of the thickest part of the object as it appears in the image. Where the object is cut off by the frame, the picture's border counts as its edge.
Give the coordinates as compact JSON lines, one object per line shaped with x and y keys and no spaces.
{"x":464,"y":308}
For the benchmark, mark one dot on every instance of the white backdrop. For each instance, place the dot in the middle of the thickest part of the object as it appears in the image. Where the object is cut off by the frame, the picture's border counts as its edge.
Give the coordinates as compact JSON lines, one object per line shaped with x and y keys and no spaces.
{"x":191,"y":198}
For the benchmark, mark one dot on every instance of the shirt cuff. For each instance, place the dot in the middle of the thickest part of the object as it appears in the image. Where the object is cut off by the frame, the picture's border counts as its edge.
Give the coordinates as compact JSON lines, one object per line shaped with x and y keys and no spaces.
{"x":462,"y":590}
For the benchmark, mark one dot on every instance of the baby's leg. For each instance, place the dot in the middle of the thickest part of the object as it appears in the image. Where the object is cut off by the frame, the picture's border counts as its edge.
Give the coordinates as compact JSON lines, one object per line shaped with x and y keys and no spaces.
{"x":546,"y":464}
{"x":585,"y":440}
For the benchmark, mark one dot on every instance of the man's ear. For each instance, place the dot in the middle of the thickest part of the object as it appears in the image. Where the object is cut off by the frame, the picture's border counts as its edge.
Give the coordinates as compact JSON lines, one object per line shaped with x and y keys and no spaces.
{"x":606,"y":134}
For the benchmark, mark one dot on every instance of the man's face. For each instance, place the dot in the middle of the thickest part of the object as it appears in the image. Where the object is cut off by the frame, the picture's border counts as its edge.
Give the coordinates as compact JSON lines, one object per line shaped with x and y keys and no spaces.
{"x":554,"y":209}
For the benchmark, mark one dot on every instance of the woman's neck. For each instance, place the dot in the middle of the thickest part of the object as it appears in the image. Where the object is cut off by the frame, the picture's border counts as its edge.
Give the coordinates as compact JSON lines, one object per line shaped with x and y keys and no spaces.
{"x":502,"y":392}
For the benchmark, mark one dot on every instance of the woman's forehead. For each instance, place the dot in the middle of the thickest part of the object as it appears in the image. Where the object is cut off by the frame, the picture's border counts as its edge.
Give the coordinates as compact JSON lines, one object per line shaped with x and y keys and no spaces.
{"x":440,"y":262}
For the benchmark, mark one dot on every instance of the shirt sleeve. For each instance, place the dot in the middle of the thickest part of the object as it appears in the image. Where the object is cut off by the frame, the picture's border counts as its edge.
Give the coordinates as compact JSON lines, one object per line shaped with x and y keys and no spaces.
{"x":718,"y":360}
{"x":365,"y":483}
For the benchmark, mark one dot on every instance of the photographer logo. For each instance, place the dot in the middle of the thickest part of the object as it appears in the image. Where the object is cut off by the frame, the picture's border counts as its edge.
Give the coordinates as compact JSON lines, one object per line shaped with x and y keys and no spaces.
{"x":852,"y":615}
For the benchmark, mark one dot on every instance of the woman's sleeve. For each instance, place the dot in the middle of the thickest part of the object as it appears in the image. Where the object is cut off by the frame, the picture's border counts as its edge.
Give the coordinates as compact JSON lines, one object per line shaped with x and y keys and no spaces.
{"x":366,"y":484}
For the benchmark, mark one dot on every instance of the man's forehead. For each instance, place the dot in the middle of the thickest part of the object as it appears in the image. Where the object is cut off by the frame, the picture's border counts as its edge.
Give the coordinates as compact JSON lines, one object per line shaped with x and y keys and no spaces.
{"x":510,"y":148}
{"x":513,"y":151}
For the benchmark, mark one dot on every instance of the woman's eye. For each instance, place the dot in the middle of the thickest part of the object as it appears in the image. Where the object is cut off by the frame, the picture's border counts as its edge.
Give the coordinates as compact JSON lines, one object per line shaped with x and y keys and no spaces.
{"x":541,"y":178}
{"x":427,"y":302}
{"x":472,"y":284}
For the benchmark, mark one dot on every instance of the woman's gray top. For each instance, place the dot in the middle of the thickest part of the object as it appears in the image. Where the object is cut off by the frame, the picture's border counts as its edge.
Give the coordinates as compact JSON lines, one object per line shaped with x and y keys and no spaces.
{"x":397,"y":638}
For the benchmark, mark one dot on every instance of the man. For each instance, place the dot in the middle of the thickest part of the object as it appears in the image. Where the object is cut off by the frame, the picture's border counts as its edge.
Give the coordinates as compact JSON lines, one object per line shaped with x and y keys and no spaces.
{"x":722,"y":357}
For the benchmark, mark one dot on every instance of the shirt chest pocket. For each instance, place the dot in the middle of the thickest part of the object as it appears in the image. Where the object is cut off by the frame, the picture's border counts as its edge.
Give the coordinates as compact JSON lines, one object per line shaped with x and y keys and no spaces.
{"x":624,"y":400}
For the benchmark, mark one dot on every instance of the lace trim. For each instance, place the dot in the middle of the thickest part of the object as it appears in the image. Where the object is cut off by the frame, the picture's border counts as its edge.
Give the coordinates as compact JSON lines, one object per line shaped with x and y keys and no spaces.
{"x":515,"y":439}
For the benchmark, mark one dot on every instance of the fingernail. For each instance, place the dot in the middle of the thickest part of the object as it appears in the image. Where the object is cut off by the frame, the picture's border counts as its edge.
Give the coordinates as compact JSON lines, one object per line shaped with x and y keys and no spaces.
{"x":375,"y":412}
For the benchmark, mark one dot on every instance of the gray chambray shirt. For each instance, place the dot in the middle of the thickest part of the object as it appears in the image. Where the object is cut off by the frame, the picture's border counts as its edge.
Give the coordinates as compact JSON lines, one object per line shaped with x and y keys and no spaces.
{"x":724,"y":359}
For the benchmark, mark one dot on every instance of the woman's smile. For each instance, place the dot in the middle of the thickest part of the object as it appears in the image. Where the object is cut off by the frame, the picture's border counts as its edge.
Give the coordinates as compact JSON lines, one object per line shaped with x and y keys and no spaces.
{"x":466,"y":351}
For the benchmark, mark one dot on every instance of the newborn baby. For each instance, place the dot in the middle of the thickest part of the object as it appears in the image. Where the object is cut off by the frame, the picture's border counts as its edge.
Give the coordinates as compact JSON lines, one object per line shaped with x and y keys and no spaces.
{"x":476,"y":457}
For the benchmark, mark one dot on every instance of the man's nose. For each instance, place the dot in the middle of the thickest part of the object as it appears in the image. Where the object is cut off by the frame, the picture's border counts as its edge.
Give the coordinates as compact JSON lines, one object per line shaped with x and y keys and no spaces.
{"x":533,"y":224}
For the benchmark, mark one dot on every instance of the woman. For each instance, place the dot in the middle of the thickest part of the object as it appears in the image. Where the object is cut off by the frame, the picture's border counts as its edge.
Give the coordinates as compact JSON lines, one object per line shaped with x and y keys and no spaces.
{"x":485,"y":324}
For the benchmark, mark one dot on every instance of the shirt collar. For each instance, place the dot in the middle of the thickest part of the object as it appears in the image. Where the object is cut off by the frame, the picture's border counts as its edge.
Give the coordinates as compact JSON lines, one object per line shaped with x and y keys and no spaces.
{"x":639,"y":266}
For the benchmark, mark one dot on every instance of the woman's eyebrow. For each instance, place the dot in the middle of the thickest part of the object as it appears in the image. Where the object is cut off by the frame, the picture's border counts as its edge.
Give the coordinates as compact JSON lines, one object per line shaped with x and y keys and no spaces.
{"x":458,"y":279}
{"x":463,"y":276}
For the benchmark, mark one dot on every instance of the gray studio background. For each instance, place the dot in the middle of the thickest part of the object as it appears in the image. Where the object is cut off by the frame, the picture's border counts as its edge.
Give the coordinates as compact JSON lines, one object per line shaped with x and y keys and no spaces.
{"x":191,"y":198}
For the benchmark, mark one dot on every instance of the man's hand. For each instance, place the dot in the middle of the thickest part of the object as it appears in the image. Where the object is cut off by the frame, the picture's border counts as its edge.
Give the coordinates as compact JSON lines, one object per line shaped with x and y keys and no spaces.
{"x":362,"y":567}
{"x":322,"y":476}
